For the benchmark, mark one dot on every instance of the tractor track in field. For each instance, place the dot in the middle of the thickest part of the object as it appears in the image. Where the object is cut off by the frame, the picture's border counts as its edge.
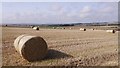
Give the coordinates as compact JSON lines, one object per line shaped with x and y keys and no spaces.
{"x":95,"y":61}
{"x":76,"y":42}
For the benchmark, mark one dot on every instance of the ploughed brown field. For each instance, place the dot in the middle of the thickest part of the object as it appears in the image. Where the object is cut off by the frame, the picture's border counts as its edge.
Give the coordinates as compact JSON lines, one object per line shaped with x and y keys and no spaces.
{"x":69,"y":47}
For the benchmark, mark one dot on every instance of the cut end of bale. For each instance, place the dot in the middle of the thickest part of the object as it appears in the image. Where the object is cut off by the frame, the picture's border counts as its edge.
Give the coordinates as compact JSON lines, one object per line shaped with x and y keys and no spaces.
{"x":17,"y":40}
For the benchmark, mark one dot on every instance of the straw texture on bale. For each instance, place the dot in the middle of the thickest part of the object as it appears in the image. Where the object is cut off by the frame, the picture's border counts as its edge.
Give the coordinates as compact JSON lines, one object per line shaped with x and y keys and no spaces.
{"x":36,"y":28}
{"x":110,"y":31}
{"x":31,"y":48}
{"x":82,"y":29}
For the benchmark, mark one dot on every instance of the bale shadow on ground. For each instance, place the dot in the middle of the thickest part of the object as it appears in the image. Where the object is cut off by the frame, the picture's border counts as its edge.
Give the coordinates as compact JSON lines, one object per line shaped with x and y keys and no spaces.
{"x":55,"y":54}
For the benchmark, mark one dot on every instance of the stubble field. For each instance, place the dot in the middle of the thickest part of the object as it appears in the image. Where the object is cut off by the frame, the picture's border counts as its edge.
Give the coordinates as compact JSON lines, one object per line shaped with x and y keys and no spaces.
{"x":66,"y":47}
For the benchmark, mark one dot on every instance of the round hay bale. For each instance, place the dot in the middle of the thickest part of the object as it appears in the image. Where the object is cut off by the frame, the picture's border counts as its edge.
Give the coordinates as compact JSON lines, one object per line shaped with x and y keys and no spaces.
{"x":31,"y":48}
{"x":110,"y":31}
{"x":58,"y":27}
{"x":36,"y":28}
{"x":82,"y":29}
{"x":54,"y":28}
{"x":70,"y":28}
{"x":93,"y":29}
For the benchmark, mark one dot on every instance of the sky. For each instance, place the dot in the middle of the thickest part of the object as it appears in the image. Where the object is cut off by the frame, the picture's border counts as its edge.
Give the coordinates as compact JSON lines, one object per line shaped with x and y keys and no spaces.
{"x":58,"y":12}
{"x":60,"y":0}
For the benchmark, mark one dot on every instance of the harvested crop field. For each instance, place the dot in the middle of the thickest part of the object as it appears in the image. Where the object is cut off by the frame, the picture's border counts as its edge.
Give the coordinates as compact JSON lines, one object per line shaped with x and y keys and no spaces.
{"x":66,"y":47}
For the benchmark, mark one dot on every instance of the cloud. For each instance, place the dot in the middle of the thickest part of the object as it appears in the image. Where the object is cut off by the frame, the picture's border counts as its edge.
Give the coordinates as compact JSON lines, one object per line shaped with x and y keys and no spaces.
{"x":58,"y":10}
{"x":86,"y":10}
{"x":106,"y":9}
{"x":58,"y":13}
{"x":56,"y":7}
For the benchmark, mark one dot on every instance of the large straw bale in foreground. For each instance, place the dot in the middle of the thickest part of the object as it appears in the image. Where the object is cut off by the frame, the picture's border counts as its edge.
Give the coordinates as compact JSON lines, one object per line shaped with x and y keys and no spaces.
{"x":31,"y":48}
